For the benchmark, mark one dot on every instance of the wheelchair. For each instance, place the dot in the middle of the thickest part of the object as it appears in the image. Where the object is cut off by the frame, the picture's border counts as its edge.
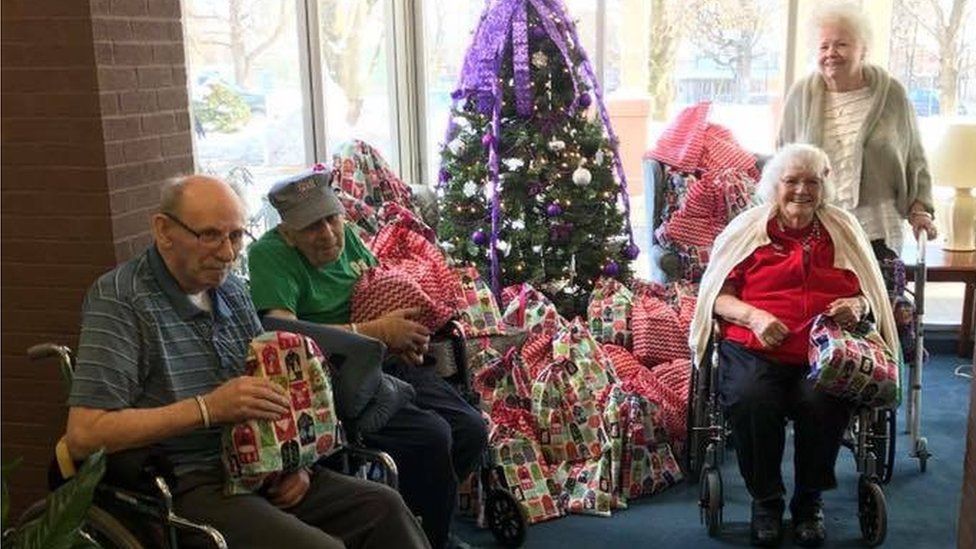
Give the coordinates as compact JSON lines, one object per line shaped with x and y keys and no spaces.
{"x":503,"y":513}
{"x":132,"y":507}
{"x":708,"y":432}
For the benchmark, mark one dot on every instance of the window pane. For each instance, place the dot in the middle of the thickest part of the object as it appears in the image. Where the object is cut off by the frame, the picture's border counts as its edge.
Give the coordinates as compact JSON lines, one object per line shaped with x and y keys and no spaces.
{"x":356,"y":80}
{"x":246,"y":97}
{"x":448,"y":29}
{"x":733,"y":56}
{"x":932,"y":56}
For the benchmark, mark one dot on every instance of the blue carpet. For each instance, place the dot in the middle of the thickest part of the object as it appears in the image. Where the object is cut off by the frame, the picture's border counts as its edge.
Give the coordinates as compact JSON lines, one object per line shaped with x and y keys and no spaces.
{"x":923,"y":508}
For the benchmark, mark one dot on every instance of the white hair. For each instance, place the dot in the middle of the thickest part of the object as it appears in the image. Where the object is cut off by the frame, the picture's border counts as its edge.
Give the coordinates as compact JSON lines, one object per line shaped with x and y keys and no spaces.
{"x":796,"y":155}
{"x":844,"y":14}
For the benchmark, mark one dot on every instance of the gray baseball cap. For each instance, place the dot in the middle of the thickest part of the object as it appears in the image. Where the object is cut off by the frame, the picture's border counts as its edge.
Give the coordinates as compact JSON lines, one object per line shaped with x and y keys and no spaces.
{"x":304,"y":199}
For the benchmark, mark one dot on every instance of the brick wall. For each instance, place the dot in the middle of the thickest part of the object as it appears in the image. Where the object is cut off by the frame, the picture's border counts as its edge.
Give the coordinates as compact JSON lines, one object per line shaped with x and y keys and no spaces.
{"x":94,"y":117}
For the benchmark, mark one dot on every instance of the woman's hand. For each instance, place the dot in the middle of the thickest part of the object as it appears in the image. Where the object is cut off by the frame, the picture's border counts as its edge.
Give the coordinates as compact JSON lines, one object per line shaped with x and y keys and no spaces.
{"x":847,"y":311}
{"x":769,"y":330}
{"x":921,"y":220}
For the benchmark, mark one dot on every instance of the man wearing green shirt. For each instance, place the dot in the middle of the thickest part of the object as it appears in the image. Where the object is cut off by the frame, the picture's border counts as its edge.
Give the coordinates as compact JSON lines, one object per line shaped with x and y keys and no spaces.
{"x":306,"y":269}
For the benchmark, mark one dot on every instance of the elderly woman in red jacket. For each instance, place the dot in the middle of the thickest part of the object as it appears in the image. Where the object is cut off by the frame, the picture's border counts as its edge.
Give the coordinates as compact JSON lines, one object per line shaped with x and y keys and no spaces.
{"x":772,"y":271}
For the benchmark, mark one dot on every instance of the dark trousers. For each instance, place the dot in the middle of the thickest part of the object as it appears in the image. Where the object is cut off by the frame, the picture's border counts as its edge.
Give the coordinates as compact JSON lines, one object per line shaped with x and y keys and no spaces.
{"x":337,"y":511}
{"x":435,"y":441}
{"x":758,"y":397}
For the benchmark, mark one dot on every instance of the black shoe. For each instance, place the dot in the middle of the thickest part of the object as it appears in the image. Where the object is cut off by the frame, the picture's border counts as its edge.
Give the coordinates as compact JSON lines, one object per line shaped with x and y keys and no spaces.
{"x":808,"y":521}
{"x":766,"y":529}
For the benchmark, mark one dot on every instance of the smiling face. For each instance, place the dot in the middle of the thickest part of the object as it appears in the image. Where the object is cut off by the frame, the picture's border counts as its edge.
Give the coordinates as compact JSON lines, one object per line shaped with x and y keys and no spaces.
{"x":799,"y":194}
{"x":321,"y":242}
{"x":840,"y":54}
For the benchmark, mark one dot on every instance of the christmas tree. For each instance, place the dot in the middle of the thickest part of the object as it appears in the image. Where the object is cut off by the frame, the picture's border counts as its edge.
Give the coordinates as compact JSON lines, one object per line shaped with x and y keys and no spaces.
{"x":527,"y":170}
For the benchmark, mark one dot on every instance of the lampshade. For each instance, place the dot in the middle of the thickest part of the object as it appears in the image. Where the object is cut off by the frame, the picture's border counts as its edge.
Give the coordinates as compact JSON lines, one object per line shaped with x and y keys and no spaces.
{"x":953,"y":161}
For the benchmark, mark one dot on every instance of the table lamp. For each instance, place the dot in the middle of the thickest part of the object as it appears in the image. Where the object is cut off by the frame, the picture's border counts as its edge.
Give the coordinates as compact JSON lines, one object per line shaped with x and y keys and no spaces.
{"x":953,"y":164}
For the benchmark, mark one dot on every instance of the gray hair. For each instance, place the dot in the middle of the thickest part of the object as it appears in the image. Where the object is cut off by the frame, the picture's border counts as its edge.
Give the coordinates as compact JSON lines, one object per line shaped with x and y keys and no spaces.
{"x":171,"y":192}
{"x":844,"y":14}
{"x":798,"y":155}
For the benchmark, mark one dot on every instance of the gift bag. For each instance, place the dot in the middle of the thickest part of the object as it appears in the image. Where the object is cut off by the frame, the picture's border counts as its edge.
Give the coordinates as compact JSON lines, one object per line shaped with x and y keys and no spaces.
{"x":256,"y":451}
{"x":609,"y":312}
{"x":574,"y":345}
{"x":855,"y":365}
{"x":565,"y":410}
{"x":399,"y":247}
{"x":478,"y":311}
{"x":660,"y":329}
{"x":528,"y":309}
{"x":502,"y":379}
{"x":586,"y":486}
{"x":524,"y":475}
{"x":381,"y":290}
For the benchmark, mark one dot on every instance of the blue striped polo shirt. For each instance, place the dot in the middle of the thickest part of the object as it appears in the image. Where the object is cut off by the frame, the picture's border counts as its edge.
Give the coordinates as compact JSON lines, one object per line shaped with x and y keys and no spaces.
{"x":144,"y":344}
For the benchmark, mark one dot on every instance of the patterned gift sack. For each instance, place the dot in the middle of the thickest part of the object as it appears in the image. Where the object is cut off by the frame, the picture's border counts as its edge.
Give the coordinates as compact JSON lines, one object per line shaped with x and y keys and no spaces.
{"x":382,"y":290}
{"x":609,"y":312}
{"x":587,"y":486}
{"x":575,"y":346}
{"x":365,"y":174}
{"x":254,"y":451}
{"x":569,"y":424}
{"x":525,"y":475}
{"x":479,"y":313}
{"x":528,"y":309}
{"x":855,"y":365}
{"x":660,"y":329}
{"x":502,"y":379}
{"x":668,"y":406}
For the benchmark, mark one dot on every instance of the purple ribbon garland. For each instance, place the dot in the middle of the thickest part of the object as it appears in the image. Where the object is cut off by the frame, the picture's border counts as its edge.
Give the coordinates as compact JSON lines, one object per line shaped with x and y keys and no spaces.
{"x":479,"y":77}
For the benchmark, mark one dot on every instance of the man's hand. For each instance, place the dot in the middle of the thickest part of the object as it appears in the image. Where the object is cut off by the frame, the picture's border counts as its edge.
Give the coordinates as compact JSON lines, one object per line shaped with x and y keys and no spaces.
{"x":921,"y":220}
{"x":846,"y":311}
{"x":400,"y":333}
{"x":247,"y":397}
{"x":289,"y":490}
{"x":769,"y":330}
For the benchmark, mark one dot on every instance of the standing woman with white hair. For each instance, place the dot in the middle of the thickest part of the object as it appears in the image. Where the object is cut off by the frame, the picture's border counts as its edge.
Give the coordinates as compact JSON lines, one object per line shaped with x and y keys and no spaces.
{"x":772,"y":271}
{"x":862,"y":118}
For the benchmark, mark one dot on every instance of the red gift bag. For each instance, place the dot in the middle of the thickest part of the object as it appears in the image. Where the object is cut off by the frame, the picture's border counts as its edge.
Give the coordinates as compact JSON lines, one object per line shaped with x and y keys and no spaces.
{"x":382,"y":290}
{"x":661,"y":330}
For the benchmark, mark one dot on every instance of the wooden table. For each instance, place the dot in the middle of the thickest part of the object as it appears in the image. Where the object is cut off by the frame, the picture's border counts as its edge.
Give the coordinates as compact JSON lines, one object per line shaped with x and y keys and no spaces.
{"x":946,"y":266}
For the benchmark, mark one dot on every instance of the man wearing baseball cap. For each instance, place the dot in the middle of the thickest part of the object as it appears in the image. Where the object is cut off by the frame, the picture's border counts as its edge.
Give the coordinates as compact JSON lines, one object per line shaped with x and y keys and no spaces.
{"x":306,"y":269}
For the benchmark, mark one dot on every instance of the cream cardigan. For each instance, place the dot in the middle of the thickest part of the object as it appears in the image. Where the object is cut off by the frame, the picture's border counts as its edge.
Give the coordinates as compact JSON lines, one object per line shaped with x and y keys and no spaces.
{"x":747,"y":231}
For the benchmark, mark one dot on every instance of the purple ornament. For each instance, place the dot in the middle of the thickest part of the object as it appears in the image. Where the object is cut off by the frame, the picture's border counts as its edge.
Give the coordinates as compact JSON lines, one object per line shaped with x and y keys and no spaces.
{"x":318,"y":167}
{"x":611,"y":268}
{"x":457,"y":94}
{"x":537,"y":33}
{"x":535,"y":188}
{"x":443,"y":176}
{"x":584,"y":100}
{"x":487,"y":140}
{"x":631,"y":251}
{"x":479,"y":237}
{"x":554,"y":210}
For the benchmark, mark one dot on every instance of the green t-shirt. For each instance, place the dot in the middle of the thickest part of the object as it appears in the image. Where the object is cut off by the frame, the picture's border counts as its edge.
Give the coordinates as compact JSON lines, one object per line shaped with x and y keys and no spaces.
{"x":281,"y":278}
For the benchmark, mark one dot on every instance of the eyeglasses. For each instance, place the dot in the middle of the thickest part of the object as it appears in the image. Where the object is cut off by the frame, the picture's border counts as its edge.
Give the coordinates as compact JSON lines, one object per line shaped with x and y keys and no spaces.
{"x":213,"y":238}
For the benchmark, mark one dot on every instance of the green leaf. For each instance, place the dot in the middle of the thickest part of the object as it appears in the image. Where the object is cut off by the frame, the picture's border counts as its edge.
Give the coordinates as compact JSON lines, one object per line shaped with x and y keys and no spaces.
{"x":66,"y":509}
{"x":5,"y":472}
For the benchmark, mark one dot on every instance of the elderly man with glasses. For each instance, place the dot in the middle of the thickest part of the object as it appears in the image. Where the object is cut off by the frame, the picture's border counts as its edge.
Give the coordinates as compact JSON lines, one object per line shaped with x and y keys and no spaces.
{"x":160,"y":364}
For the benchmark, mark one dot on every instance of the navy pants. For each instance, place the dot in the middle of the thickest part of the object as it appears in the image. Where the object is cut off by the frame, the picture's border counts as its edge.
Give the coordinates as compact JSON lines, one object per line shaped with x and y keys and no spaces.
{"x":758,"y":397}
{"x":435,"y":441}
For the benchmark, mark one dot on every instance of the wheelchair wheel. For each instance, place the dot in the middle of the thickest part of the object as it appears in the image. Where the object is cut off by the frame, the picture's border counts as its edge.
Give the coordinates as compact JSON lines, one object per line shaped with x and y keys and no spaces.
{"x":505,"y":517}
{"x":710,"y":500}
{"x":872,"y":512}
{"x":100,"y":527}
{"x":922,"y":453}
